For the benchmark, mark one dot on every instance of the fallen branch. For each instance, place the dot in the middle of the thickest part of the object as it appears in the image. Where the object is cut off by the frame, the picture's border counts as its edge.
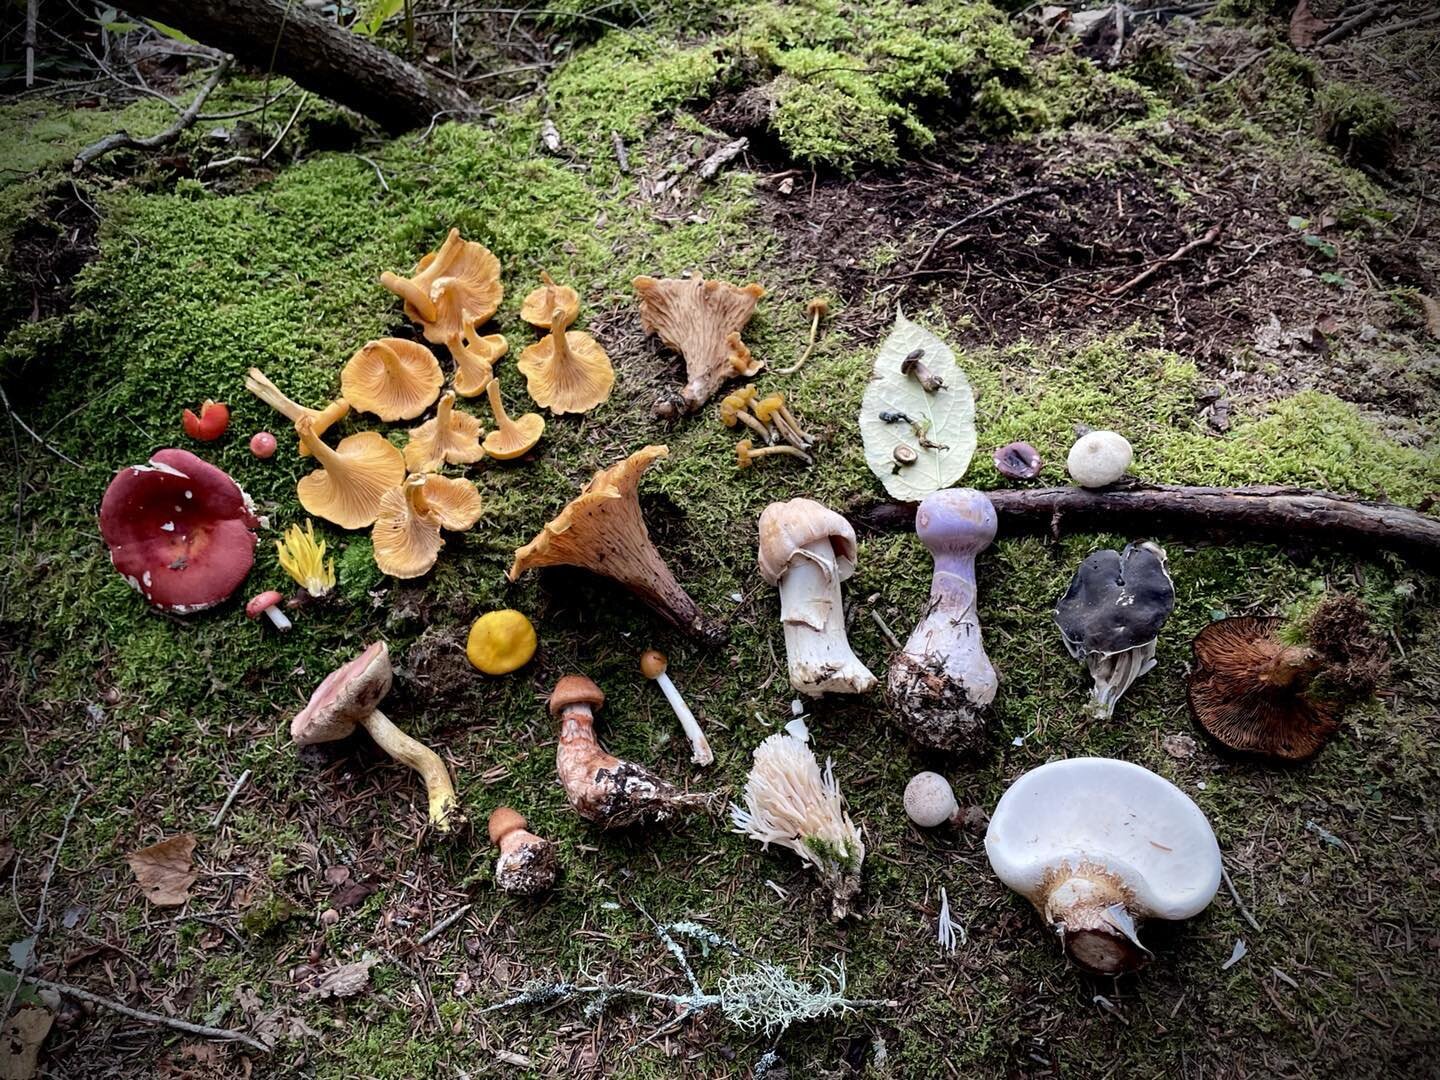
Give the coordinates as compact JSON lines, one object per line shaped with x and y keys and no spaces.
{"x":1281,"y":512}
{"x":1175,"y":256}
{"x":121,"y":140}
{"x":226,"y":1034}
{"x":722,"y":157}
{"x":1403,"y":24}
{"x":1350,"y":26}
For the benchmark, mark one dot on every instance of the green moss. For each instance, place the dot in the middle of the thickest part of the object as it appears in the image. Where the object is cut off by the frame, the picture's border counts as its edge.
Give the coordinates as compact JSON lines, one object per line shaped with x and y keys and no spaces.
{"x":266,"y":916}
{"x":1063,"y":91}
{"x":1361,"y":123}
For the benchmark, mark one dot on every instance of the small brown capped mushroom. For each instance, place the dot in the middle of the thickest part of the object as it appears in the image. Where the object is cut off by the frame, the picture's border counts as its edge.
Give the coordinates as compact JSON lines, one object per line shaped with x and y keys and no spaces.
{"x":527,"y":864}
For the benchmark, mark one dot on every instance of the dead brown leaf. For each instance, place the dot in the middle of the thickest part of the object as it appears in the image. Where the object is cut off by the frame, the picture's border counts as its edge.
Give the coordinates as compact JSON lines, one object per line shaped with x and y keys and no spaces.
{"x":164,"y":870}
{"x":1305,"y":28}
{"x":344,"y":981}
{"x":354,"y":893}
{"x":1432,"y":315}
{"x":21,"y":1037}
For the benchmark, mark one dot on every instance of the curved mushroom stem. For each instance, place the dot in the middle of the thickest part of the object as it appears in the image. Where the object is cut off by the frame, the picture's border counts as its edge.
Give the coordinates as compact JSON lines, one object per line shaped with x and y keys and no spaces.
{"x":1096,"y":929}
{"x":653,"y":666}
{"x":557,"y":332}
{"x":329,"y":460}
{"x":745,"y":453}
{"x":813,"y":615}
{"x":268,"y":392}
{"x":278,"y":618}
{"x":442,"y":414}
{"x":497,"y":406}
{"x":804,"y":436}
{"x":816,"y":312}
{"x":407,"y":290}
{"x":415,"y":494}
{"x":388,"y":356}
{"x":473,"y":367}
{"x":444,"y":807}
{"x":755,"y":426}
{"x":1112,"y":675}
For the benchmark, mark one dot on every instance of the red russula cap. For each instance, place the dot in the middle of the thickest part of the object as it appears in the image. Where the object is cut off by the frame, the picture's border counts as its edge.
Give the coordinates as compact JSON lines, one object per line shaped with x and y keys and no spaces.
{"x":256,"y":607}
{"x":179,"y":530}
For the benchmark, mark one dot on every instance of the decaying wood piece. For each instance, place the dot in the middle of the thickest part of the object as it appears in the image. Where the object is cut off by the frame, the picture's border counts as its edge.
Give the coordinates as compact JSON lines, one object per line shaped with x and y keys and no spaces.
{"x":1283,"y":513}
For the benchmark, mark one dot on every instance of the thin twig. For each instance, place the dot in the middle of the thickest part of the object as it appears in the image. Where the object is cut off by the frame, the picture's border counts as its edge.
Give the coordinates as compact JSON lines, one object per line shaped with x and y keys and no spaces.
{"x":40,"y":910}
{"x":1350,"y":26}
{"x":5,"y":400}
{"x":443,"y":925}
{"x":885,"y":629}
{"x":219,"y":817}
{"x":1239,"y":904}
{"x":123,"y":139}
{"x":288,"y":125}
{"x":984,"y":211}
{"x":1246,"y":66}
{"x":1403,"y":24}
{"x":378,"y":174}
{"x":1179,"y":253}
{"x":621,"y":157}
{"x":227,"y":1034}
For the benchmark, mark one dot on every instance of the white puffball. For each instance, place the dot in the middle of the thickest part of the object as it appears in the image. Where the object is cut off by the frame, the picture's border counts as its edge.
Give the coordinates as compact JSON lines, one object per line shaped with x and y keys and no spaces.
{"x":1099,"y":458}
{"x":929,"y":801}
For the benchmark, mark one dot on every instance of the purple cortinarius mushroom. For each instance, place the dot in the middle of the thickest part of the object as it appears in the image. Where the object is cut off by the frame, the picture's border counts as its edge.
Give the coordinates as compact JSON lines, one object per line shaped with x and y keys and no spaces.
{"x":1111,"y":615}
{"x":942,"y":682}
{"x":1018,"y":461}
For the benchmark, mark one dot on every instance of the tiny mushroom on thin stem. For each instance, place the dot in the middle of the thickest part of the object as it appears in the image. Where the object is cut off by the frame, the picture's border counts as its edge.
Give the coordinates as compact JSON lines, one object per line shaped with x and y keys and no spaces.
{"x":1099,"y":458}
{"x":1097,"y":845}
{"x":268,"y":604}
{"x":734,"y":408}
{"x":745,"y":453}
{"x":652,"y":666}
{"x":602,"y":788}
{"x":807,"y":550}
{"x":817,"y":308}
{"x":527,"y":864}
{"x":772,"y":409}
{"x":930,"y":801}
{"x":347,"y":699}
{"x":942,"y":682}
{"x":914,"y":366}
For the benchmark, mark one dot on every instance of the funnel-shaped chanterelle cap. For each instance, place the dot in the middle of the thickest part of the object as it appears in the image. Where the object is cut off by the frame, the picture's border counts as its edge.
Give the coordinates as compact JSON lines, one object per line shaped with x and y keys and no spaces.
{"x":1098,"y":845}
{"x":539,"y":307}
{"x":451,"y":438}
{"x":451,"y":291}
{"x":701,"y":320}
{"x":603,"y":531}
{"x":393,"y":378}
{"x":348,"y":698}
{"x":566,"y":371}
{"x":352,"y":478}
{"x":511,"y":438}
{"x":406,"y":538}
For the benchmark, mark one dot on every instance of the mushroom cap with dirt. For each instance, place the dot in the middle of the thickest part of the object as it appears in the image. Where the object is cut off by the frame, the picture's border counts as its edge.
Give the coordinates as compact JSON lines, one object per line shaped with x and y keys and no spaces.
{"x":452,"y":290}
{"x":1098,"y":845}
{"x":540,"y":304}
{"x":1111,"y":615}
{"x":602,"y":788}
{"x":452,"y":437}
{"x":602,"y":530}
{"x":566,"y":371}
{"x":349,"y":698}
{"x":527,"y":864}
{"x":807,"y":550}
{"x":701,"y":320}
{"x":352,"y":478}
{"x":392,"y":378}
{"x":1255,"y":692}
{"x":179,"y":530}
{"x":930,"y":800}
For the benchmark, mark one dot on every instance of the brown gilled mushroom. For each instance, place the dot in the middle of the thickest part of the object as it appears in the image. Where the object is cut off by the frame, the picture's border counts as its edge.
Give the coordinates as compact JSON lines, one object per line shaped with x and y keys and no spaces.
{"x":451,"y":438}
{"x":603,"y":531}
{"x":527,"y":864}
{"x":393,"y":378}
{"x":452,"y":290}
{"x":701,"y":320}
{"x":601,"y":788}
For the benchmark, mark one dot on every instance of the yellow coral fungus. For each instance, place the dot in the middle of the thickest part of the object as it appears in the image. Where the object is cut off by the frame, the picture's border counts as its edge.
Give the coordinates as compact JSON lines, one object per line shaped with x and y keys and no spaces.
{"x":302,"y":556}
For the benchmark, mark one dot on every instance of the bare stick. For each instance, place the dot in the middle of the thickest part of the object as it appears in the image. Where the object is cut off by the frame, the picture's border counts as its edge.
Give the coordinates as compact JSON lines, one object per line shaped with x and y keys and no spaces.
{"x":32,"y":14}
{"x":621,"y":157}
{"x":1175,"y":256}
{"x":1403,"y":24}
{"x":1350,"y":26}
{"x":443,"y":925}
{"x":1239,"y":904}
{"x":885,"y":629}
{"x":226,"y":1034}
{"x":229,"y":799}
{"x":722,"y":157}
{"x":123,"y":139}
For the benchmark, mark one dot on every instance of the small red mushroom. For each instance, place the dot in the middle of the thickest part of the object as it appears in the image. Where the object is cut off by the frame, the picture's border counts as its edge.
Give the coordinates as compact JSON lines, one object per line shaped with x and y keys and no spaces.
{"x":214,"y":418}
{"x":268,"y":603}
{"x":262,"y":444}
{"x":179,"y":530}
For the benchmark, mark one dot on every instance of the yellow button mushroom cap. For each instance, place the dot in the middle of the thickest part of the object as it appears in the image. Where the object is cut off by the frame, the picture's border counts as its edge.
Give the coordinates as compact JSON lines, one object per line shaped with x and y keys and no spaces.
{"x":500,"y":642}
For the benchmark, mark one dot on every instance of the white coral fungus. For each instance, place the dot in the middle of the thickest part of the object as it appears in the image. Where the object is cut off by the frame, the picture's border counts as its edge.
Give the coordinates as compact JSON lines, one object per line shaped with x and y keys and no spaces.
{"x":790,"y":802}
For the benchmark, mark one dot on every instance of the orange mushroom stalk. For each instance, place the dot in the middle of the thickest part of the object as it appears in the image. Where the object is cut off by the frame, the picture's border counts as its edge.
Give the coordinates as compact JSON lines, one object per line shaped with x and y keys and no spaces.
{"x":475,"y":358}
{"x":527,"y":864}
{"x":566,"y":371}
{"x":451,"y":438}
{"x":600,"y":787}
{"x":540,"y":305}
{"x":511,"y":438}
{"x":745,"y":453}
{"x":603,"y":531}
{"x":321,"y":419}
{"x":352,"y":478}
{"x":406,"y":537}
{"x":451,"y":290}
{"x":701,"y":320}
{"x":393,"y":378}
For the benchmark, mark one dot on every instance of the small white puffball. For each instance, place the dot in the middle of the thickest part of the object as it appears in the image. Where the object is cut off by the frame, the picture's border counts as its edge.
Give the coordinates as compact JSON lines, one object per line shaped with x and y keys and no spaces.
{"x":1099,"y":458}
{"x":929,"y":800}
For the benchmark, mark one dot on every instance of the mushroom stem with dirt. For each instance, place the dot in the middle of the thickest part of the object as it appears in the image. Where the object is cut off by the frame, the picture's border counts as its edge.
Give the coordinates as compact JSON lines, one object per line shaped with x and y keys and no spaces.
{"x":807,"y":550}
{"x":1098,"y":846}
{"x":347,"y":699}
{"x":602,"y":530}
{"x":942,"y":681}
{"x":321,"y":419}
{"x":527,"y":864}
{"x":600,"y":787}
{"x":652,"y":666}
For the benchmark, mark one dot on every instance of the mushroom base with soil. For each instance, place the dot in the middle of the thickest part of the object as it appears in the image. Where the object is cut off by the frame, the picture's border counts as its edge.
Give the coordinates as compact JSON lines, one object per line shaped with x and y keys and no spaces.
{"x":1087,"y":908}
{"x":813,"y":615}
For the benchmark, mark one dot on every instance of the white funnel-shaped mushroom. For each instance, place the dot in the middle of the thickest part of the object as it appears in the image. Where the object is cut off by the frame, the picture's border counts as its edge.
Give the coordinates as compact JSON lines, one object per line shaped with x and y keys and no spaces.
{"x":1098,"y":846}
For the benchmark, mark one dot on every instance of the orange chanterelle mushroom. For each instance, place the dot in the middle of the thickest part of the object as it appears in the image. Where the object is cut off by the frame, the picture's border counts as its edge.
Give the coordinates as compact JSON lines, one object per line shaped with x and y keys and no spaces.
{"x":701,"y":320}
{"x":539,"y":306}
{"x":452,"y":438}
{"x":352,"y":477}
{"x":451,"y":291}
{"x":566,"y":371}
{"x":393,"y":378}
{"x":475,"y":358}
{"x":406,"y":537}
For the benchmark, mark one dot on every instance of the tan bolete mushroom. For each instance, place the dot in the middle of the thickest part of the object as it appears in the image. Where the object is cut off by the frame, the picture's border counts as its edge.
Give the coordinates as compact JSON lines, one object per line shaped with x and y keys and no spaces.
{"x":600,"y":787}
{"x":347,"y":699}
{"x":566,"y":371}
{"x":393,"y":378}
{"x":321,"y":419}
{"x":511,"y":438}
{"x":475,"y":361}
{"x":451,"y":438}
{"x":603,"y":531}
{"x":452,"y":290}
{"x":540,"y":305}
{"x":701,"y":320}
{"x":527,"y":864}
{"x":807,"y":550}
{"x":352,"y":478}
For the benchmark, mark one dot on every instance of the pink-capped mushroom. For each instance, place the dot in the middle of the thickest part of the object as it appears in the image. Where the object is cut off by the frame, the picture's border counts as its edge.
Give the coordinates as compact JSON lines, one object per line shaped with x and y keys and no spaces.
{"x":268,"y":604}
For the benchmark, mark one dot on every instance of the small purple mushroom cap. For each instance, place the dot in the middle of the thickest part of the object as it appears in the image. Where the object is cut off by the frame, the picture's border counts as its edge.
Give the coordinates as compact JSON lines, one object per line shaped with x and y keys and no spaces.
{"x":1018,"y":461}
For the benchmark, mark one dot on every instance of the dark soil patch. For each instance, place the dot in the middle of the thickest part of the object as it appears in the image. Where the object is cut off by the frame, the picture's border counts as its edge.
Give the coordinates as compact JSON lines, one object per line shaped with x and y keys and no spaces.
{"x":47,"y":253}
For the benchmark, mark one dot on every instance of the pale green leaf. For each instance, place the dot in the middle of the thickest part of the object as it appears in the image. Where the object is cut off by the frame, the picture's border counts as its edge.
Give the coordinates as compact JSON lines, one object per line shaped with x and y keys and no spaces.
{"x":373,"y":15}
{"x":173,"y":34}
{"x":945,"y":418}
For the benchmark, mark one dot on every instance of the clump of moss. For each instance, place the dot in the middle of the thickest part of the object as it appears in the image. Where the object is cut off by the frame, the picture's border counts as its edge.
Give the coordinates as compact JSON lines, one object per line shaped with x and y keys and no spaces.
{"x":1362,"y":124}
{"x":1062,"y":91}
{"x":356,"y":572}
{"x":267,"y":916}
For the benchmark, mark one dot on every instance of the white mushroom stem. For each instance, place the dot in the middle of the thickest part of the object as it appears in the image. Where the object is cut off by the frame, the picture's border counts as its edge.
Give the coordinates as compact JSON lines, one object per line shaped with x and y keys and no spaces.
{"x":278,"y":617}
{"x":700,"y":752}
{"x":813,"y":615}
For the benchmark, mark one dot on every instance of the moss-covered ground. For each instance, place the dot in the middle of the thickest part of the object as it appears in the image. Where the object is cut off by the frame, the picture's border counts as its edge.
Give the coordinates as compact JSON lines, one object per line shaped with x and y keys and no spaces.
{"x":150,"y":719}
